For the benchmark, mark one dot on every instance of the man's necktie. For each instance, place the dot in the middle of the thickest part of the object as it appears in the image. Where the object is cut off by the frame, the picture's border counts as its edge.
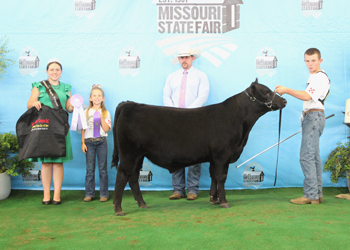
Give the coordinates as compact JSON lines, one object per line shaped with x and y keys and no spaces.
{"x":183,"y":90}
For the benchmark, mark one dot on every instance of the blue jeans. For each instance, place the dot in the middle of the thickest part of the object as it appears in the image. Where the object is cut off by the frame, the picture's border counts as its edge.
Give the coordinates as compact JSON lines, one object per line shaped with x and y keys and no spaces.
{"x":310,"y":160}
{"x":193,"y":176}
{"x":100,"y":149}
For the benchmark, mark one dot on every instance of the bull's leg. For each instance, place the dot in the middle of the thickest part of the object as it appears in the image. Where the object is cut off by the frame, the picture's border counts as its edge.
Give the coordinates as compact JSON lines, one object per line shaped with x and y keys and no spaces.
{"x":222,"y":194}
{"x":221,"y":175}
{"x":213,"y":188}
{"x":120,"y":184}
{"x":135,"y":188}
{"x":214,"y":200}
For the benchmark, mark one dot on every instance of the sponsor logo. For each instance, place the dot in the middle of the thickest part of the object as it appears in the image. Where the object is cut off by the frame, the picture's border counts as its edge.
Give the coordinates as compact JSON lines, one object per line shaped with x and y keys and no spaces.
{"x":84,"y":8}
{"x":40,"y":124}
{"x":253,"y":175}
{"x":266,"y":61}
{"x":311,"y":8}
{"x":145,"y":175}
{"x":33,"y":178}
{"x":129,"y":62}
{"x":28,"y":61}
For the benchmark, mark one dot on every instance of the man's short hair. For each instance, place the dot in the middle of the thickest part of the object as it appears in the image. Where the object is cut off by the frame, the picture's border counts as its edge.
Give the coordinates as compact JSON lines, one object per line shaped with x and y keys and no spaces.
{"x":313,"y":51}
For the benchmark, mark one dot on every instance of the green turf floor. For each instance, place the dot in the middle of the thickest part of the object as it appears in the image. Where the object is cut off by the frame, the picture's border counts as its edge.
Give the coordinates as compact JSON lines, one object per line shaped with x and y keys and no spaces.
{"x":257,"y":219}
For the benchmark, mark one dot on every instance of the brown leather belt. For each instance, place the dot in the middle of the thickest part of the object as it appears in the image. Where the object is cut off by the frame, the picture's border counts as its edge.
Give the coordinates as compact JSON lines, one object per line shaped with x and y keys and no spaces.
{"x":314,"y":110}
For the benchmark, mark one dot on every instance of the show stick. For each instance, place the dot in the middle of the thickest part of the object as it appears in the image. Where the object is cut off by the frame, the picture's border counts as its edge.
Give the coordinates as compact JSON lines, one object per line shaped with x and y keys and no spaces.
{"x":275,"y":145}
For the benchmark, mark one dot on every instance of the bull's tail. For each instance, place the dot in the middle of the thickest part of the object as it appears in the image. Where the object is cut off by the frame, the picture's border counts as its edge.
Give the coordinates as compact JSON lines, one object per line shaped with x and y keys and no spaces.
{"x":115,"y":156}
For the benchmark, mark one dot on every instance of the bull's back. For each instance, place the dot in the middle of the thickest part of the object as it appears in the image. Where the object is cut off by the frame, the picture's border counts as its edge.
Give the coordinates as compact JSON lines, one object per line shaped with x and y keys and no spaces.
{"x":160,"y":131}
{"x":172,"y":136}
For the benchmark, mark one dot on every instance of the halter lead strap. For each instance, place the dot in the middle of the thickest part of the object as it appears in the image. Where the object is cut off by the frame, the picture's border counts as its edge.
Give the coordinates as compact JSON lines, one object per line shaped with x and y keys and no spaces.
{"x":278,"y":148}
{"x":269,"y":105}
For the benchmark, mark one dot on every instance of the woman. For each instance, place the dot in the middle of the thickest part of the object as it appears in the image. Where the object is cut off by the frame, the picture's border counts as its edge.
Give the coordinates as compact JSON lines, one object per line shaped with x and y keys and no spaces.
{"x":52,"y":168}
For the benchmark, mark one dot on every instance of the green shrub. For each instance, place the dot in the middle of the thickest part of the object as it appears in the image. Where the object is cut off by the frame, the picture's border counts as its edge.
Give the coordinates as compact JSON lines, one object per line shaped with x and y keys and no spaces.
{"x":4,"y":62}
{"x":338,"y":161}
{"x":9,"y":156}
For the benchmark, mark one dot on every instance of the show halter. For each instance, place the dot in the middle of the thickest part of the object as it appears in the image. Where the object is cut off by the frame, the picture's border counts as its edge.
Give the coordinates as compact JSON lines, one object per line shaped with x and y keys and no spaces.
{"x":267,"y":104}
{"x":79,"y":117}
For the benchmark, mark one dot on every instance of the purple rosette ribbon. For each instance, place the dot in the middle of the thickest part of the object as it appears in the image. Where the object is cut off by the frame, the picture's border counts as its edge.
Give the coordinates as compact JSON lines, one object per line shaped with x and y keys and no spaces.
{"x":79,"y":117}
{"x":97,"y":124}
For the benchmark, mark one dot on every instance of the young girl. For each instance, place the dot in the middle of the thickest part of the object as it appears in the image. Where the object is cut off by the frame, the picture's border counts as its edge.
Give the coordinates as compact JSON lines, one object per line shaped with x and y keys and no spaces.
{"x":94,"y":143}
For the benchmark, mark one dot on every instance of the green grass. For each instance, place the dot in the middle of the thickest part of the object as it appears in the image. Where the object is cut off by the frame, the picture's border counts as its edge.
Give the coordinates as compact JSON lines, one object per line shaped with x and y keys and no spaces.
{"x":257,"y":219}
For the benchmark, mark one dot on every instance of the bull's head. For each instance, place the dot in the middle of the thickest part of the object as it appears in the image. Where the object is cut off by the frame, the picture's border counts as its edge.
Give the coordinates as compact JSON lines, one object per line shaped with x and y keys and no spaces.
{"x":263,"y":95}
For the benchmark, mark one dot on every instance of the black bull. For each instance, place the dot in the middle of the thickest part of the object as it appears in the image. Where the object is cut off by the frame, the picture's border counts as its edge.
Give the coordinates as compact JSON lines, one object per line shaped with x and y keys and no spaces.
{"x":174,"y":138}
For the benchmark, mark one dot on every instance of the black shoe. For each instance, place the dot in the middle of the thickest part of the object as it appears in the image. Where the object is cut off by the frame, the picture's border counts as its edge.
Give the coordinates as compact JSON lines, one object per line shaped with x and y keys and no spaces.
{"x":46,"y":202}
{"x":56,"y":202}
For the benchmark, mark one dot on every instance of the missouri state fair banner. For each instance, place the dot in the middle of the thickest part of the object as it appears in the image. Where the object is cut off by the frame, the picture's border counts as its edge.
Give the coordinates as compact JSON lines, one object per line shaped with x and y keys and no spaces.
{"x":130,"y":47}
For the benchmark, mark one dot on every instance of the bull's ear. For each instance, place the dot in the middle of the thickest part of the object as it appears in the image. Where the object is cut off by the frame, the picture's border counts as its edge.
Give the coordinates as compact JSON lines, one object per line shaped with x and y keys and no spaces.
{"x":252,"y":86}
{"x":256,"y":81}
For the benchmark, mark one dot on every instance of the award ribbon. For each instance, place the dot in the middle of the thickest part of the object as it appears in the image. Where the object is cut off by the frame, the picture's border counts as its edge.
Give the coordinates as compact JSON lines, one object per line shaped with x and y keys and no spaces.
{"x":97,"y":124}
{"x":79,"y":117}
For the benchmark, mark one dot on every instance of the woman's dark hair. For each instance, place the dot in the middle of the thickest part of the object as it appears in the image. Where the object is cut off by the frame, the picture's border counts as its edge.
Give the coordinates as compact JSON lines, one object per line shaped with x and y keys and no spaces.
{"x":48,"y":65}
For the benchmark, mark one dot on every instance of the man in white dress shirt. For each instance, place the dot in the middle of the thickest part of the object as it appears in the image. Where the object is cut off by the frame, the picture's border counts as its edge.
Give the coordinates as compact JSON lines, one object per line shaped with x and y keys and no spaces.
{"x":187,"y":87}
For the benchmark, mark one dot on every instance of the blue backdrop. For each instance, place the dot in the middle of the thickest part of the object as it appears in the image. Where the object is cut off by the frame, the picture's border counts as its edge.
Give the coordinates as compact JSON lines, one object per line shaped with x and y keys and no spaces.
{"x":128,"y":47}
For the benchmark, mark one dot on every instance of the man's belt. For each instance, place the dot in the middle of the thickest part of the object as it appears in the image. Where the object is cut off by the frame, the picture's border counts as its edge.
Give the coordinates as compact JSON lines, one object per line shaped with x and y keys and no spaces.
{"x":314,"y":110}
{"x":96,"y":139}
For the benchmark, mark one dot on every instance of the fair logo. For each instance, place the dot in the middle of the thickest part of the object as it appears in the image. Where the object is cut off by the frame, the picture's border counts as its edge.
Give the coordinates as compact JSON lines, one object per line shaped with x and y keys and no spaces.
{"x":253,"y":175}
{"x":84,"y":8}
{"x":311,"y":8}
{"x":28,"y":61}
{"x":266,"y":61}
{"x":199,"y":24}
{"x":129,"y":62}
{"x":145,"y":175}
{"x":198,"y":16}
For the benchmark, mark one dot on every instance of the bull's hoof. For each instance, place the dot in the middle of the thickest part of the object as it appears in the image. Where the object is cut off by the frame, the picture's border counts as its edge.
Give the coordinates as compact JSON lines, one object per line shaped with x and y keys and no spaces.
{"x":142,"y":204}
{"x":120,"y":213}
{"x":214,"y":201}
{"x":224,"y":205}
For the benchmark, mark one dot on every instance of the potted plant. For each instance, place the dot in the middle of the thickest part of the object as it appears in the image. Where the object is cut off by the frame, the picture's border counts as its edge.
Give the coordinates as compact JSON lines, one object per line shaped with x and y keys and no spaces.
{"x":9,"y":163}
{"x":338,"y":163}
